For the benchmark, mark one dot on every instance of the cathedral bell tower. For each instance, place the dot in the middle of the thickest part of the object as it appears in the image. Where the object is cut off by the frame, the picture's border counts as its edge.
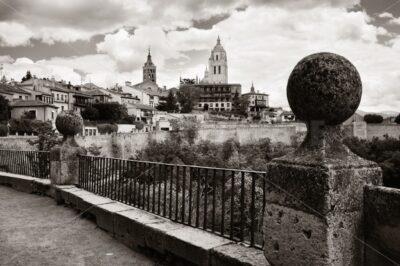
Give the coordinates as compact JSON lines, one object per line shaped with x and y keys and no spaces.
{"x":149,"y":70}
{"x":217,"y":65}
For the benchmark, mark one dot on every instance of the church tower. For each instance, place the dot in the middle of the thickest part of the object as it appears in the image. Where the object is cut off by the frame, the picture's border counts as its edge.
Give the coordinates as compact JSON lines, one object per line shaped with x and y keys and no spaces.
{"x":149,"y":70}
{"x":217,"y":65}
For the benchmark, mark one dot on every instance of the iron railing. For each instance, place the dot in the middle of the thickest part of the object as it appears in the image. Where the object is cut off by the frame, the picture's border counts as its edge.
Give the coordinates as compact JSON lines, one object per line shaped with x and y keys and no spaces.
{"x":30,"y":163}
{"x":226,"y":202}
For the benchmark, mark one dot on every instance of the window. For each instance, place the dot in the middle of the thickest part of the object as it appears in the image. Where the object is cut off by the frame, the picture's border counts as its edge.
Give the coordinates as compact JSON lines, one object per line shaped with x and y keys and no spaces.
{"x":222,"y":105}
{"x":62,"y":97}
{"x":215,"y":69}
{"x":58,"y":96}
{"x":52,"y":115}
{"x":219,"y":69}
{"x":86,"y":132}
{"x":20,"y":97}
{"x":199,"y":104}
{"x":216,"y":105}
{"x":228,"y":104}
{"x":216,"y":57}
{"x":62,"y":108}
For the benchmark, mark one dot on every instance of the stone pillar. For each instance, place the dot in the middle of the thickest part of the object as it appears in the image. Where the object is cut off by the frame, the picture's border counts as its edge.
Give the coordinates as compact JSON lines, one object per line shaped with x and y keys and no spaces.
{"x":64,"y":158}
{"x":314,"y":209}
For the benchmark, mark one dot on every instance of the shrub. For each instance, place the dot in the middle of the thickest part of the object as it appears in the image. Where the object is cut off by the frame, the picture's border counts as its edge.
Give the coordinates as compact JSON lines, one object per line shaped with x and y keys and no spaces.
{"x":107,"y":128}
{"x":3,"y":130}
{"x":139,"y":125}
{"x":397,"y":119}
{"x":373,"y":119}
{"x":90,"y":113}
{"x":112,"y":112}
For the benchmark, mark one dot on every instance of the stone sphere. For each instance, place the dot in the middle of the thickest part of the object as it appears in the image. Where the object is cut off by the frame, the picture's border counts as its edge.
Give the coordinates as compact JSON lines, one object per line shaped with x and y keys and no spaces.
{"x":324,"y":87}
{"x":69,"y":123}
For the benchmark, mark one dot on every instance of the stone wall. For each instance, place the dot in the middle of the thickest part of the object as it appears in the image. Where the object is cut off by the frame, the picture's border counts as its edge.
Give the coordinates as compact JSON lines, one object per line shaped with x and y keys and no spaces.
{"x":125,"y":145}
{"x":380,"y":130}
{"x":368,"y":131}
{"x":382,"y":226}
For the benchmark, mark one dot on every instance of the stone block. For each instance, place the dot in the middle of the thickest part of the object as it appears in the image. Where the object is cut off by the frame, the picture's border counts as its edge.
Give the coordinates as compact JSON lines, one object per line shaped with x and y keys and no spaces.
{"x":22,"y":183}
{"x":193,"y":245}
{"x":237,"y":255}
{"x":155,"y":237}
{"x":314,"y":210}
{"x":129,"y":226}
{"x":105,"y":214}
{"x":86,"y":202}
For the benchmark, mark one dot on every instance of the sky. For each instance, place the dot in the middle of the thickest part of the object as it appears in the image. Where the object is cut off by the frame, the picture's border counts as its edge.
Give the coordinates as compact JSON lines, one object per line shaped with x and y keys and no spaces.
{"x":106,"y":41}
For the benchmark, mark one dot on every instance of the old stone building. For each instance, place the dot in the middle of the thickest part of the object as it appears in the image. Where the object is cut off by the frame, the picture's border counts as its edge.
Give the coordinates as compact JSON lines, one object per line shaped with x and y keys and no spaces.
{"x":213,"y":92}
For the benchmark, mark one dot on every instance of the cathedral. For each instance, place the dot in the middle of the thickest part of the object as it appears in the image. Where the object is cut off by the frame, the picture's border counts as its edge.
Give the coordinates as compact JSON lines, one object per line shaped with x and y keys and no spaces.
{"x":215,"y":93}
{"x":217,"y":71}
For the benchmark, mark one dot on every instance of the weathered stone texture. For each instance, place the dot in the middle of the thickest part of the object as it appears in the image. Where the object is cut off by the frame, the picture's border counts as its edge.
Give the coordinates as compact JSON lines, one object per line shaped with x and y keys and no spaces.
{"x":382,"y":226}
{"x":325,"y":87}
{"x":314,"y":203}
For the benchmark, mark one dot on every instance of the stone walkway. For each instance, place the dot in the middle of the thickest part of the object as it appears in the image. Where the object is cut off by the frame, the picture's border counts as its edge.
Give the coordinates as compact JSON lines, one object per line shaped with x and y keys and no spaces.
{"x":35,"y":231}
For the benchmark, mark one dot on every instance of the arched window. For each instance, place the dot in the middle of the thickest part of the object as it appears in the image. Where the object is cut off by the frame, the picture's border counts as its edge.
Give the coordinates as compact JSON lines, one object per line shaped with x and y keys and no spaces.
{"x":219,"y":69}
{"x":216,"y":57}
{"x":215,"y":69}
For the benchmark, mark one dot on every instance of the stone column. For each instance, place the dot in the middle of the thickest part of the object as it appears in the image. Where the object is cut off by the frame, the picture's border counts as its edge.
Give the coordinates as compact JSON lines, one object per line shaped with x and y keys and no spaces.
{"x":314,"y":209}
{"x":64,"y":158}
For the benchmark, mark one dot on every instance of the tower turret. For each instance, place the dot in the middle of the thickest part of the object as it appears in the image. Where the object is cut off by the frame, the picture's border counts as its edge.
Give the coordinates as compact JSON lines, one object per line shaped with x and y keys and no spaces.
{"x":149,"y":69}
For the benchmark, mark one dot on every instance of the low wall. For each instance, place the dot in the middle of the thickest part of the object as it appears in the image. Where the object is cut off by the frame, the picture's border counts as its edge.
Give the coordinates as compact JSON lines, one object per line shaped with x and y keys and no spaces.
{"x":381,"y":130}
{"x":382,"y":228}
{"x":126,"y":145}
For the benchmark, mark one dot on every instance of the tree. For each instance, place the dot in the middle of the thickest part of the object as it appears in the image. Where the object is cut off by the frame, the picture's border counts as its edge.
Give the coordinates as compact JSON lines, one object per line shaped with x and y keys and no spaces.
{"x":4,"y":109}
{"x":111,"y":112}
{"x":28,"y":76}
{"x":47,"y":137}
{"x":397,"y":120}
{"x":107,"y":128}
{"x":373,"y":118}
{"x":240,"y":104}
{"x":90,"y":113}
{"x":187,"y":98}
{"x":169,"y":104}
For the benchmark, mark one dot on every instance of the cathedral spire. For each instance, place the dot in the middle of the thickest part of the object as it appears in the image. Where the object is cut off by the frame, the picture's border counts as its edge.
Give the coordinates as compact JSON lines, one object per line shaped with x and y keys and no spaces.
{"x":252,"y":87}
{"x":218,"y":40}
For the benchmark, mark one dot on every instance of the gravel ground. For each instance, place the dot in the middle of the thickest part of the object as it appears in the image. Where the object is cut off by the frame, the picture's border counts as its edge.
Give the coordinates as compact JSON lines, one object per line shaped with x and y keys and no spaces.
{"x":35,"y":231}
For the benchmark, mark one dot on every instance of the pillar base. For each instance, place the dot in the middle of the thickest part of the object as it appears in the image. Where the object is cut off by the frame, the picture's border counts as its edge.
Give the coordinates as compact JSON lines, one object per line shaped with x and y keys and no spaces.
{"x":314,"y":207}
{"x":64,"y":162}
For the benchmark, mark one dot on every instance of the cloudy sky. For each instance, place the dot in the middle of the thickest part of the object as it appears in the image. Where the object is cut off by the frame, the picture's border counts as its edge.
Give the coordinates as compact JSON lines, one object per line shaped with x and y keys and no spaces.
{"x":106,"y":41}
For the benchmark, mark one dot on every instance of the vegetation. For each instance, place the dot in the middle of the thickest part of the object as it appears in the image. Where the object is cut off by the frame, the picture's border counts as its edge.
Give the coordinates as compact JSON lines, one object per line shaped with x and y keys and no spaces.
{"x":107,"y":128}
{"x":28,"y":76}
{"x":90,"y":113}
{"x":385,"y":152}
{"x":240,"y":105}
{"x":3,"y":130}
{"x":373,"y":119}
{"x":111,"y":112}
{"x":187,"y":98}
{"x":47,"y":137}
{"x":4,"y":109}
{"x":397,"y":119}
{"x":169,"y":103}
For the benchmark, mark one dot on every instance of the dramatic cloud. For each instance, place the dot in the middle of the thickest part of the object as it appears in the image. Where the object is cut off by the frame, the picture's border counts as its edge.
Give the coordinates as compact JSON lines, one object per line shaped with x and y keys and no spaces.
{"x":264,"y":40}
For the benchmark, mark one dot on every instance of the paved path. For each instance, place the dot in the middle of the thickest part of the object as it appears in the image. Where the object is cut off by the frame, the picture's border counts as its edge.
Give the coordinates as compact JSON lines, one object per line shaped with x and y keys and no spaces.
{"x":35,"y":231}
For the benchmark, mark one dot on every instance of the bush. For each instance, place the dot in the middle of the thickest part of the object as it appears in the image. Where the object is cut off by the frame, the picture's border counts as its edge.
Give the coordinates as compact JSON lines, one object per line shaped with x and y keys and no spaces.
{"x":397,"y":119}
{"x":111,"y":112}
{"x":107,"y":128}
{"x":3,"y":130}
{"x":139,"y":125}
{"x":373,"y":119}
{"x":90,"y":113}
